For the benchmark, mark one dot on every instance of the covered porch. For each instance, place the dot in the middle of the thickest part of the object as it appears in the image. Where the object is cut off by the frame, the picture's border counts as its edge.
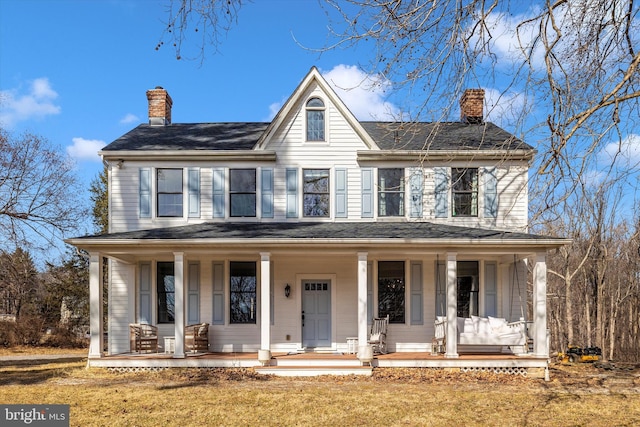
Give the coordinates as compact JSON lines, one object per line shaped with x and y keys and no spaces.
{"x":348,"y":267}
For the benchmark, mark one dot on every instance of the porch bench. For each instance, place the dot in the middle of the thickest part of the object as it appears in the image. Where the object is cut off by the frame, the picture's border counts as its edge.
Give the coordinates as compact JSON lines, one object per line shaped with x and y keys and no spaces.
{"x":488,"y":331}
{"x":143,"y":337}
{"x":196,"y":337}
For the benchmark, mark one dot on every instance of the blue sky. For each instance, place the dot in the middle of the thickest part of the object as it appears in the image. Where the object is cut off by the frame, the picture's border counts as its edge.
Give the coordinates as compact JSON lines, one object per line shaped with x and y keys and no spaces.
{"x":76,"y":72}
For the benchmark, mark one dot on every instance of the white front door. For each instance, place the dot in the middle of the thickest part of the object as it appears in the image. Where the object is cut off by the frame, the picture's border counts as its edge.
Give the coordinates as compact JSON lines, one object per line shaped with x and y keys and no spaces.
{"x":316,"y":313}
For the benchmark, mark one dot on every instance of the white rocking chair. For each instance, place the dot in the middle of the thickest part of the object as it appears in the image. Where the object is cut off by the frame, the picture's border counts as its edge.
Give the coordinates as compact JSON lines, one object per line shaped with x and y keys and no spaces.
{"x":378,"y":336}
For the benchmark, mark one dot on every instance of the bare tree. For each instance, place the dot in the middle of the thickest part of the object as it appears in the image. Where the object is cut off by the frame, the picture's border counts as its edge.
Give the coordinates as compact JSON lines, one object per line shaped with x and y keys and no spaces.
{"x":38,"y":193}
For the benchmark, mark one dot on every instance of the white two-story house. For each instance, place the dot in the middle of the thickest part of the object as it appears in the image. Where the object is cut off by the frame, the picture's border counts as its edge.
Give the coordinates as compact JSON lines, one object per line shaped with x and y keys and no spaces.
{"x":292,"y":235}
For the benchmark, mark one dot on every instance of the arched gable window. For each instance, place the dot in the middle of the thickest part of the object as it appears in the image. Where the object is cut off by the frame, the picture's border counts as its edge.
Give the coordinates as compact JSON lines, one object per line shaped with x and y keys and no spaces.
{"x":315,"y":120}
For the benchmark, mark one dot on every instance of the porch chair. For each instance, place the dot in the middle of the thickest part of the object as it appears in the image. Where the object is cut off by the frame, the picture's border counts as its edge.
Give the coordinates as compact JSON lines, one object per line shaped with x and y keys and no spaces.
{"x":378,"y":336}
{"x":440,"y":335}
{"x":196,"y":337}
{"x":143,"y":337}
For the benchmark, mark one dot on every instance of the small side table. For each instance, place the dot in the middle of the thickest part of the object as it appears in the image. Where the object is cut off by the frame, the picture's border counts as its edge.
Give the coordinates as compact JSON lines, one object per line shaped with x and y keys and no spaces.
{"x":169,"y":345}
{"x":352,"y":345}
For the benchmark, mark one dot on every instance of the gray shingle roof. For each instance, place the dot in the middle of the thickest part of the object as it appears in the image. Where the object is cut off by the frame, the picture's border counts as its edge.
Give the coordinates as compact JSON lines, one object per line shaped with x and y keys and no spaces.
{"x":442,"y":136}
{"x":190,"y":136}
{"x":307,"y":231}
{"x":388,"y":136}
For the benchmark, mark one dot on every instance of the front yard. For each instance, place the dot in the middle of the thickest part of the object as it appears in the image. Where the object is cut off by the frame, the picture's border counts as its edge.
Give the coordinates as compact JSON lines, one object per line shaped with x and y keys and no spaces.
{"x":576,"y":395}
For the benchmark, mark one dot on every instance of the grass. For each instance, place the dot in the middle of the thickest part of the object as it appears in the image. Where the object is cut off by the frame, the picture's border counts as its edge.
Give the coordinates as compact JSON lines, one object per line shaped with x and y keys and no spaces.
{"x":401,"y":397}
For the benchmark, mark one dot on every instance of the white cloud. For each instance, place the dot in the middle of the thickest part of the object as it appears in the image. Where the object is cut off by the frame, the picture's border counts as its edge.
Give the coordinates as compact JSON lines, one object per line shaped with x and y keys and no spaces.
{"x":129,"y":118}
{"x":505,"y":109}
{"x":363,"y":93}
{"x":85,"y":149}
{"x":626,"y":152}
{"x":37,"y":103}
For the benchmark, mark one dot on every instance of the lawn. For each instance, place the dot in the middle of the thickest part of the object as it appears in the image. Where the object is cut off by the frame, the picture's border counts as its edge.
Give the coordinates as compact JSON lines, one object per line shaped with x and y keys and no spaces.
{"x":580,"y":395}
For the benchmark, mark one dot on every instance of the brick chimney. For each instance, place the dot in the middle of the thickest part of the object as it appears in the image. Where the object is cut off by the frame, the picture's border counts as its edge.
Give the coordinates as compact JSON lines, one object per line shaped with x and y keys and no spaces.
{"x":159,"y":106}
{"x":471,"y":105}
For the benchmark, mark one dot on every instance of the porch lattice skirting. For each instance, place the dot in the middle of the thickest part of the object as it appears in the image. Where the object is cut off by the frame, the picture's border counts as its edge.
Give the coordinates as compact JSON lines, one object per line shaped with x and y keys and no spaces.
{"x":498,"y":370}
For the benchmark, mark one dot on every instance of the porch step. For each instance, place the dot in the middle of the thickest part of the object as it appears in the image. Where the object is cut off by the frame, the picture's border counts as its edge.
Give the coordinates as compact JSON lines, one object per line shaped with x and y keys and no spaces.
{"x":313,"y":371}
{"x":315,"y":362}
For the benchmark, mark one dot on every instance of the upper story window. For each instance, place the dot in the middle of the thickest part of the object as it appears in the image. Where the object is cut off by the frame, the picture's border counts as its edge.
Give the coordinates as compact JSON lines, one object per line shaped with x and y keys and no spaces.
{"x":390,"y":192}
{"x":169,"y":200}
{"x":464,"y":191}
{"x":242,"y":192}
{"x":315,"y":120}
{"x":243,"y":290}
{"x":316,"y":192}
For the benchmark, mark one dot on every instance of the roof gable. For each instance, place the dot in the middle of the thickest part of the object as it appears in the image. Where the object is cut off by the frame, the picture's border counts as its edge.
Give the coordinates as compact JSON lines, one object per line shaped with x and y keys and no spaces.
{"x":296,"y":98}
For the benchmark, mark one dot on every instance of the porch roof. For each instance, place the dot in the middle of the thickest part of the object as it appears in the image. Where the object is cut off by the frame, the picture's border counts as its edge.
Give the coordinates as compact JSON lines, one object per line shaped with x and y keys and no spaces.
{"x":321,"y":233}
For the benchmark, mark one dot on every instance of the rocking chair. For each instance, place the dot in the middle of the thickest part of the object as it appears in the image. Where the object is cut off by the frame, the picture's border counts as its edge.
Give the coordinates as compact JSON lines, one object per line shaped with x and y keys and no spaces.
{"x":378,"y":336}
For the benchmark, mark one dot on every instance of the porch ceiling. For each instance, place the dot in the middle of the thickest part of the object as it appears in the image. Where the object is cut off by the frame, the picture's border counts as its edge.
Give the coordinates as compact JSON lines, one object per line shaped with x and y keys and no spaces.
{"x":347,"y":236}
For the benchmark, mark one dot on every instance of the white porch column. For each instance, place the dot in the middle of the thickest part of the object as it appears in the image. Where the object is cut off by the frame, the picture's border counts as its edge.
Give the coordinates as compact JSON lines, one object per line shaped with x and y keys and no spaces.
{"x":452,"y":306}
{"x":178,"y":272}
{"x":362,"y":298}
{"x":95,"y":305}
{"x":265,"y":301}
{"x":540,"y":343}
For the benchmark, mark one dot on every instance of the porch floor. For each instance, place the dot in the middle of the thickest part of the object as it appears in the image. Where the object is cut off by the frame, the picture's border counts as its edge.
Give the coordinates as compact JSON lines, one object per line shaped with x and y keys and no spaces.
{"x":302,"y":364}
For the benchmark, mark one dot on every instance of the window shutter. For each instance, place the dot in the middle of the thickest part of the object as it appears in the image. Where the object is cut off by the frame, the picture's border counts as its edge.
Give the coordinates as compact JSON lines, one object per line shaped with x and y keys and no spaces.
{"x":145,"y":192}
{"x":267,"y":192}
{"x":490,"y":193}
{"x":341,"y":193}
{"x":441,"y":288}
{"x":292,"y":193}
{"x":367,"y":193}
{"x":218,"y":193}
{"x":144,"y":297}
{"x":415,"y":183}
{"x":441,"y":176}
{"x":193,"y":180}
{"x":490,"y":289}
{"x":416,"y":294}
{"x":218,"y":293}
{"x":193,"y":294}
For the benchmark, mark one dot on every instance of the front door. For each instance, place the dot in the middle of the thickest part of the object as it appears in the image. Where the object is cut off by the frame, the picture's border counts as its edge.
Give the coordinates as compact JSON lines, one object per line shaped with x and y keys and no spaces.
{"x":316,"y":313}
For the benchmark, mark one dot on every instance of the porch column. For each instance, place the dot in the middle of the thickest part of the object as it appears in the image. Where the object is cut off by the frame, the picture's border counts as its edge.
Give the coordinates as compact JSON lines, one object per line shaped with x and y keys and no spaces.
{"x":452,"y":306}
{"x":362,"y":298}
{"x":540,"y":343}
{"x":95,"y":305}
{"x":178,"y":271}
{"x":265,"y":301}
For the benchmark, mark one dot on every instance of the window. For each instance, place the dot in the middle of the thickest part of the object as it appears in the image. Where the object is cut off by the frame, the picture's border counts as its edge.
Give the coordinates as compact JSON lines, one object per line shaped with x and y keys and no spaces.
{"x":464,"y":192}
{"x":315,"y":120}
{"x":243,"y":292}
{"x":316,"y":192}
{"x":390,"y":192}
{"x":166,"y":290}
{"x":169,"y":192}
{"x":468,"y":288}
{"x":391,"y":288}
{"x":242,"y":192}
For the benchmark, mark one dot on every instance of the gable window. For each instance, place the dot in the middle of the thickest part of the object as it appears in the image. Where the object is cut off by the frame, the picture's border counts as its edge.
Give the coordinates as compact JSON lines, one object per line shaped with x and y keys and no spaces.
{"x":166,"y":290}
{"x":316,"y":192}
{"x":391,"y":290}
{"x":243,"y":292}
{"x":467,"y":288}
{"x":169,"y":192}
{"x":464,"y":191}
{"x":242,"y":192}
{"x":315,"y":120}
{"x":390,"y":192}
